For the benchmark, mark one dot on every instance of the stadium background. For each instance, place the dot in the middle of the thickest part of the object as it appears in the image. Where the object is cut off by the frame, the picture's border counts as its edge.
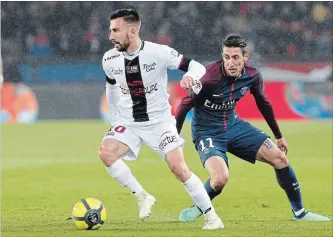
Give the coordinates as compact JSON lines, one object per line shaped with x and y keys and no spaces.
{"x":56,"y":49}
{"x":54,"y":81}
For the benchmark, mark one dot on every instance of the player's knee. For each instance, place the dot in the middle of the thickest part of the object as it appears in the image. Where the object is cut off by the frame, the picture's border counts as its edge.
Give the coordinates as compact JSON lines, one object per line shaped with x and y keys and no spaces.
{"x":218,"y":181}
{"x":280,"y":160}
{"x":108,"y":155}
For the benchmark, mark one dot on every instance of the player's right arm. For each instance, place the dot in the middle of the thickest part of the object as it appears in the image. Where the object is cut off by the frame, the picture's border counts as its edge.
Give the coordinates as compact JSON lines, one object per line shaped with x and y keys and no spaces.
{"x":193,"y":96}
{"x":112,"y":93}
{"x":194,"y":70}
{"x":186,"y":104}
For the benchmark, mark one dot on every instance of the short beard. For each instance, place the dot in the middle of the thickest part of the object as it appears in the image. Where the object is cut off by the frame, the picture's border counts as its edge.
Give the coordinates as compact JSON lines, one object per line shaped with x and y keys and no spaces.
{"x":124,"y":47}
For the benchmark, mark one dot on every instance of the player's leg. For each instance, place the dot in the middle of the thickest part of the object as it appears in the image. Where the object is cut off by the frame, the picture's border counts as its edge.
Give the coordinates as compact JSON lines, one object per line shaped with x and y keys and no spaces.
{"x":219,"y":175}
{"x":194,"y":187}
{"x":212,"y":152}
{"x":112,"y":149}
{"x":260,"y":147}
{"x":286,"y":177}
{"x":168,"y":143}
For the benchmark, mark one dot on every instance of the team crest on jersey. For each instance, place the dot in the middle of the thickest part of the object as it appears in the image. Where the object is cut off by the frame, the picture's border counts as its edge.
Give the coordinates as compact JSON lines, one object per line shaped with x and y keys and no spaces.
{"x":244,"y":90}
{"x":206,"y":151}
{"x":132,"y":69}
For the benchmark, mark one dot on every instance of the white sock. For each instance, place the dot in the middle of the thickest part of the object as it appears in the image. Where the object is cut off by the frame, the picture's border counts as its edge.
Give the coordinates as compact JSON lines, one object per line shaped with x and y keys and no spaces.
{"x":122,"y":173}
{"x":198,"y":193}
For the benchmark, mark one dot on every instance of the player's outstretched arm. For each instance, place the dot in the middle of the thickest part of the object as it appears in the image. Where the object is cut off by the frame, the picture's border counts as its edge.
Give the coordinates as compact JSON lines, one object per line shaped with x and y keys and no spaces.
{"x":173,"y":60}
{"x":191,"y":78}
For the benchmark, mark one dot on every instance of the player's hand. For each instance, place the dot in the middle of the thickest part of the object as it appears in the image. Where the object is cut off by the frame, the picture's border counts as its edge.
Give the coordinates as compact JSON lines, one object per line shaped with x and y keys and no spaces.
{"x":282,"y":145}
{"x":186,"y":82}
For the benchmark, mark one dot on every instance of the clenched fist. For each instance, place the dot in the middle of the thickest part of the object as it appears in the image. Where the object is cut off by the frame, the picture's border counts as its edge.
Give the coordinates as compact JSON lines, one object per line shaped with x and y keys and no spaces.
{"x":187,"y":82}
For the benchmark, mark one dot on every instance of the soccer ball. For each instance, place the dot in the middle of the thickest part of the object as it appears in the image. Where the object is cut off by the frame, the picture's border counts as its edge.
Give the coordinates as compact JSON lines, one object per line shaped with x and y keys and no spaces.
{"x":89,"y":214}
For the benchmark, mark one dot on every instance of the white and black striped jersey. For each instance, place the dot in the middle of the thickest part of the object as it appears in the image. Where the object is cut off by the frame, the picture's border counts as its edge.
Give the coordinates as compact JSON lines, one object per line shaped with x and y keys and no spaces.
{"x":137,"y":83}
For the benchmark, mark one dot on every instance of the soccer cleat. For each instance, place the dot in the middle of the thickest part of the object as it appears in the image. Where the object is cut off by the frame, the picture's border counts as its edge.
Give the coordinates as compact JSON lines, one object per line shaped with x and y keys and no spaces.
{"x":213,"y":222}
{"x":190,"y":214}
{"x":309,"y":216}
{"x":145,"y":202}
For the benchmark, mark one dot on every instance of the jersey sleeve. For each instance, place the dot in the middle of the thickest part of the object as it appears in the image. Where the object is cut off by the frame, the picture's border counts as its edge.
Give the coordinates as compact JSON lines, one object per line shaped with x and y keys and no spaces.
{"x":258,"y":86}
{"x":109,"y":77}
{"x":112,"y":93}
{"x":265,"y":106}
{"x":172,"y":59}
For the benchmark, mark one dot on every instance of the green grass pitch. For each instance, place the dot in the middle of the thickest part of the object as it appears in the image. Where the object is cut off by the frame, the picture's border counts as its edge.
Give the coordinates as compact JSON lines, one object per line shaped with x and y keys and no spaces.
{"x":48,"y":166}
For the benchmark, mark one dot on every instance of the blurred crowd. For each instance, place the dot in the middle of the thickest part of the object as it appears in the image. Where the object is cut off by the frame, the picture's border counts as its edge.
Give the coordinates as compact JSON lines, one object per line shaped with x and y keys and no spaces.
{"x":289,"y":29}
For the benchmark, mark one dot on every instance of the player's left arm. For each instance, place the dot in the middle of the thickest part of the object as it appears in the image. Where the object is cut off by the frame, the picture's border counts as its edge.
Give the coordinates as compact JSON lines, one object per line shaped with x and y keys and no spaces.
{"x":193,"y":70}
{"x":266,"y":109}
{"x":112,"y":93}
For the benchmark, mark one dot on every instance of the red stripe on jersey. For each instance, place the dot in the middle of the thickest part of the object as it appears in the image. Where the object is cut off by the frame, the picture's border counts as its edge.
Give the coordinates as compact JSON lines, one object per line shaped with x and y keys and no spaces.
{"x":181,"y":62}
{"x":232,"y":88}
{"x":225,"y":119}
{"x":225,"y":112}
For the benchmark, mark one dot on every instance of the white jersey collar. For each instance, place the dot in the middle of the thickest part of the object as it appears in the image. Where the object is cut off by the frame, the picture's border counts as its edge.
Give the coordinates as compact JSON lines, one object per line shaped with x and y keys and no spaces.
{"x":136,"y":52}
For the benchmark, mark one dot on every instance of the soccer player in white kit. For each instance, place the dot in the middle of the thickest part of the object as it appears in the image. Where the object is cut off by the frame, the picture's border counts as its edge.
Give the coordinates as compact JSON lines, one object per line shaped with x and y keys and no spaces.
{"x":136,"y":89}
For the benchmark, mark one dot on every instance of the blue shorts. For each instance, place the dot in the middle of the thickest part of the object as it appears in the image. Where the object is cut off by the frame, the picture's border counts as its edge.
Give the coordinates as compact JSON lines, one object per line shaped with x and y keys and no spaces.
{"x":242,"y":140}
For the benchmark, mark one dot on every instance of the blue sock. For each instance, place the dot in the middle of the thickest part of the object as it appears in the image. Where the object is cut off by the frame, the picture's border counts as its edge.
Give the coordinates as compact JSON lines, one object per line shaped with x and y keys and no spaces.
{"x":286,"y":178}
{"x":211,"y":192}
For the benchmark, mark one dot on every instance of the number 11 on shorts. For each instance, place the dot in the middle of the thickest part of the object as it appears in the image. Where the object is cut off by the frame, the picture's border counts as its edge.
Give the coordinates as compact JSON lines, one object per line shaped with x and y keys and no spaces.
{"x":210,"y":143}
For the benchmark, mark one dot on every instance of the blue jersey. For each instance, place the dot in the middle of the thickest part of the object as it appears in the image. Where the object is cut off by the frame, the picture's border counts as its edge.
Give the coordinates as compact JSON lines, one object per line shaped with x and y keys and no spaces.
{"x":214,"y":106}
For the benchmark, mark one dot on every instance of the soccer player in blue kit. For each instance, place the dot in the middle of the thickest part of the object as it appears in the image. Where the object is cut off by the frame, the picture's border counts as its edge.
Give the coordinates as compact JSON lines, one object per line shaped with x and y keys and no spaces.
{"x":216,"y":128}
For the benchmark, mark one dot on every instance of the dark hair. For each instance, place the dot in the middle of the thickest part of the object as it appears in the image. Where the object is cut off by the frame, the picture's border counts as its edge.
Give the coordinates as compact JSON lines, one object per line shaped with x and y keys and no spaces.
{"x":129,"y":15}
{"x":235,"y":41}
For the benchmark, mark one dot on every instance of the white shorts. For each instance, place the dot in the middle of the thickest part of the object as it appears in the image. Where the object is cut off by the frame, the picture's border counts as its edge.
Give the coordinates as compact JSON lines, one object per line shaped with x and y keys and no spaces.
{"x":161,"y":136}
